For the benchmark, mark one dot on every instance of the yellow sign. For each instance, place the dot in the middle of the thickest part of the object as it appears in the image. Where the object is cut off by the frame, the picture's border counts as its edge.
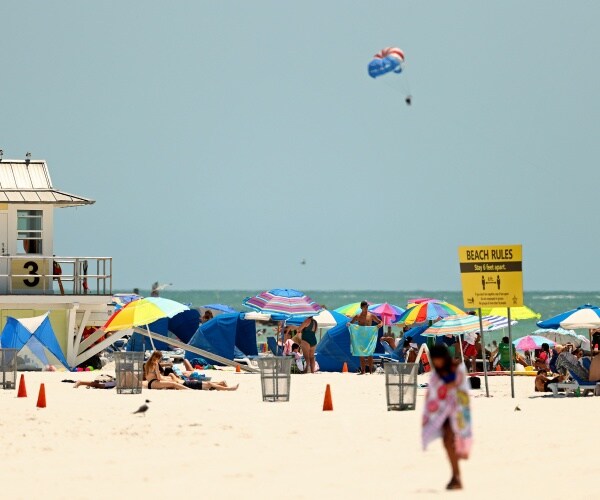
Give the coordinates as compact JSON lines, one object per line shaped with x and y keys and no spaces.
{"x":27,"y":274}
{"x":492,"y":276}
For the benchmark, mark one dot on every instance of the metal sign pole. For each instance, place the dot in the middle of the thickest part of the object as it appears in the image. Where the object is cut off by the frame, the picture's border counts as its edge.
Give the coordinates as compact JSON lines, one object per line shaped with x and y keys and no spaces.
{"x":511,"y":351}
{"x":485,"y":370}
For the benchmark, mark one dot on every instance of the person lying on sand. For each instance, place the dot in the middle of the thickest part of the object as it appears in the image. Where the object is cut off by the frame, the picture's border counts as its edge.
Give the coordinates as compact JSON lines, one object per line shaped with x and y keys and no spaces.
{"x":106,"y":382}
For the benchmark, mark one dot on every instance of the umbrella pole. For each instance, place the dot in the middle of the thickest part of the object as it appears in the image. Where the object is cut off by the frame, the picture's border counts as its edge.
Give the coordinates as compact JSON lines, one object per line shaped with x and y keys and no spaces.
{"x":511,"y":354}
{"x":462,"y":354}
{"x":483,"y":355}
{"x":151,"y":341}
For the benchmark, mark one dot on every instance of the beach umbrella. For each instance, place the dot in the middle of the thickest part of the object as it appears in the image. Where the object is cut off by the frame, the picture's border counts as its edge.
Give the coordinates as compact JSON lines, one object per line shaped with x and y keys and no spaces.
{"x":455,"y":325}
{"x":518,"y":313}
{"x":531,"y":343}
{"x":142,"y":312}
{"x":429,"y":311}
{"x":219,"y":307}
{"x":285,"y":302}
{"x":559,"y":335}
{"x":498,"y":322}
{"x":122,"y":299}
{"x":325,"y":320}
{"x":388,"y":313}
{"x":586,"y":316}
{"x":349,"y":309}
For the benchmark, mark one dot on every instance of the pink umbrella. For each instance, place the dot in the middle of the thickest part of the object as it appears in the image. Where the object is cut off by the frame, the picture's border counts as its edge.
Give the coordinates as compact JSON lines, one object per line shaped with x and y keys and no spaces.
{"x":531,"y":343}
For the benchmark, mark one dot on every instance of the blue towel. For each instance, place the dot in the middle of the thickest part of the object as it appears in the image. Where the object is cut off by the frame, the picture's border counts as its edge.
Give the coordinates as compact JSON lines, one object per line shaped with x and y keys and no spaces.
{"x":363,"y":340}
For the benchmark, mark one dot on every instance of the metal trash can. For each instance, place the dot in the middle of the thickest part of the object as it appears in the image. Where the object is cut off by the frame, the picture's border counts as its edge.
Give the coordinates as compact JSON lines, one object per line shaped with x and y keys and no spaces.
{"x":8,"y":367}
{"x":275,"y":377}
{"x":129,"y":371}
{"x":401,"y":385}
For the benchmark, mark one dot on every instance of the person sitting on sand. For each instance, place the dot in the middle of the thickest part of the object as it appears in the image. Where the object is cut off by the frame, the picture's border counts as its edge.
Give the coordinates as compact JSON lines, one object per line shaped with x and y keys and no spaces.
{"x":542,"y":380}
{"x":409,"y":351}
{"x":542,"y":362}
{"x":446,"y":410}
{"x":155,"y":379}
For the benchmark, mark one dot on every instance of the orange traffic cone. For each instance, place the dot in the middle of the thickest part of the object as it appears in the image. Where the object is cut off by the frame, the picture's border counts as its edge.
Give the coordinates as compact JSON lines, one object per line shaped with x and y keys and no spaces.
{"x":22,"y":389}
{"x":498,"y":368}
{"x":41,"y":402}
{"x":237,"y":369}
{"x":345,"y":368}
{"x":327,"y":403}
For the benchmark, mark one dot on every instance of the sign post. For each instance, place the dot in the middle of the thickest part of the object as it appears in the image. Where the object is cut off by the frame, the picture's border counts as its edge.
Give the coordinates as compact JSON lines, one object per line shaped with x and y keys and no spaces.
{"x":492,"y":276}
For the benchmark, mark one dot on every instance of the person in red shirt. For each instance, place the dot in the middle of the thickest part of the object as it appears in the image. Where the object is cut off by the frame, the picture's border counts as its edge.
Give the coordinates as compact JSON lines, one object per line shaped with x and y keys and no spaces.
{"x":543,"y":360}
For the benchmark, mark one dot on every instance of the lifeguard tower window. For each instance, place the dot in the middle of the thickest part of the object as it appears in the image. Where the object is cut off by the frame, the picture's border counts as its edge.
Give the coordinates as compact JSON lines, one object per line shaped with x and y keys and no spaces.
{"x":29,"y":231}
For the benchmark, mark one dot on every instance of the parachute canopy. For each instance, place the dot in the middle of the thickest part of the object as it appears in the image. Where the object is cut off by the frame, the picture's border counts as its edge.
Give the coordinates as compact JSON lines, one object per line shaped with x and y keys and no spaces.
{"x":388,"y":60}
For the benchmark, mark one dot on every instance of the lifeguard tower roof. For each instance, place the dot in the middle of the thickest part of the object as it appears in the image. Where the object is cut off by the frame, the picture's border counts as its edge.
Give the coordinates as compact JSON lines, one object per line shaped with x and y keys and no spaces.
{"x":28,"y":181}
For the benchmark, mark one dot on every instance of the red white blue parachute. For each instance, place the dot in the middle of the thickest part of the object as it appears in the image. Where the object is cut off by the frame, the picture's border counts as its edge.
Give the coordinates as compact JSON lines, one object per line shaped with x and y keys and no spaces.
{"x":388,"y":60}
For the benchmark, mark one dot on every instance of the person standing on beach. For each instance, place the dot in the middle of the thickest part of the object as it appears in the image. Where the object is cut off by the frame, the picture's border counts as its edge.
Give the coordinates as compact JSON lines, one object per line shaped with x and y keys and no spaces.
{"x":365,"y":318}
{"x":447,"y":413}
{"x":308,"y":338}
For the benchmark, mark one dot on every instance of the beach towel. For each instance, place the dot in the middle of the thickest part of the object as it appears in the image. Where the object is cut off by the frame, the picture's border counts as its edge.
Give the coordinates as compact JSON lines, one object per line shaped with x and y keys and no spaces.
{"x":448,"y":403}
{"x":363,"y":340}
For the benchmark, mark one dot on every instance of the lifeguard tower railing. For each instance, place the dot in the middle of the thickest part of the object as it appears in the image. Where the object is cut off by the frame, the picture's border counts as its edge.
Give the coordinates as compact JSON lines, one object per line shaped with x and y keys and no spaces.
{"x":39,"y":275}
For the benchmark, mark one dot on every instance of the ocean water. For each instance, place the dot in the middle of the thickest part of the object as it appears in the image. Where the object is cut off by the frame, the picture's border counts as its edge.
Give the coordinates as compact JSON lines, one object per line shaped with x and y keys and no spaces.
{"x":546,"y":303}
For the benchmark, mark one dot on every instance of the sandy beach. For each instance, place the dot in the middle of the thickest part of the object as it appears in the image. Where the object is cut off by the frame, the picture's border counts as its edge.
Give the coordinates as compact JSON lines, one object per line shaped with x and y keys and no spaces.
{"x":192,"y":444}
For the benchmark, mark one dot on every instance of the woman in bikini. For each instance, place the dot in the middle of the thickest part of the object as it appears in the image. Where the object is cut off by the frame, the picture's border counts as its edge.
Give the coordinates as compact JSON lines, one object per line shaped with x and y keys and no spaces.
{"x":308,"y":338}
{"x":155,"y":379}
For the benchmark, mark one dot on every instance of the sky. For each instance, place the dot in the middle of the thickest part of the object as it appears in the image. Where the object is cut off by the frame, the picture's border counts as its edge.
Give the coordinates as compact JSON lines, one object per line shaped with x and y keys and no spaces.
{"x":226,"y":141}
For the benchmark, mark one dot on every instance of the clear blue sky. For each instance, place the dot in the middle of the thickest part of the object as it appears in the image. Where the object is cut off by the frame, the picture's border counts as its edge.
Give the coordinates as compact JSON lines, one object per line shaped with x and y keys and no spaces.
{"x":226,"y":141}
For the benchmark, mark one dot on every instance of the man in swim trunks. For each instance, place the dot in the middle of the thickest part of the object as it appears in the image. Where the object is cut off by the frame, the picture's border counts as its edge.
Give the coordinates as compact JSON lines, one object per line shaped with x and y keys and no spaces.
{"x":365,"y":318}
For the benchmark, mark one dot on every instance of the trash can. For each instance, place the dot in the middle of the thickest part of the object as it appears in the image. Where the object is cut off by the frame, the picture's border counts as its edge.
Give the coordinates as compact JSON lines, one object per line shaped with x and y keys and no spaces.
{"x":401,"y":385}
{"x":8,"y":366}
{"x":275,"y":377}
{"x":129,"y":371}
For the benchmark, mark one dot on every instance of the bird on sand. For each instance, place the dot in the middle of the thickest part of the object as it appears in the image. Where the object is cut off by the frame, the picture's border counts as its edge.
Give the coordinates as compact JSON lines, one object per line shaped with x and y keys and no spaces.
{"x":143,"y":409}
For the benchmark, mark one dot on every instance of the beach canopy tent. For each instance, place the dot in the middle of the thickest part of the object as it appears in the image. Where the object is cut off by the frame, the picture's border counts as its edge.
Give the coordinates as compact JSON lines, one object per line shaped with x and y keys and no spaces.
{"x":35,"y":334}
{"x":334,"y":349}
{"x":225,"y":333}
{"x":182,"y":326}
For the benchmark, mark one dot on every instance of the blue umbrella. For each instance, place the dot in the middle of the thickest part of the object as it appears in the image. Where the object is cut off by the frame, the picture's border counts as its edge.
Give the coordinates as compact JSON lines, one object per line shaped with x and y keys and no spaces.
{"x":586,"y":316}
{"x":220,"y":307}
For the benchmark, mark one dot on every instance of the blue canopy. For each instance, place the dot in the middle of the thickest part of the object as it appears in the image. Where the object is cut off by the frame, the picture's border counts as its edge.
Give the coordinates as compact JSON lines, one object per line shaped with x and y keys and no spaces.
{"x":224,"y":334}
{"x":35,"y":333}
{"x":334,"y":348}
{"x":220,"y":307}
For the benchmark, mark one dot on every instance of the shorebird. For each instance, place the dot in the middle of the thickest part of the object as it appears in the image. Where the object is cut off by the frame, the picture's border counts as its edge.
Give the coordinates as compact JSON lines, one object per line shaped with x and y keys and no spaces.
{"x":143,"y":409}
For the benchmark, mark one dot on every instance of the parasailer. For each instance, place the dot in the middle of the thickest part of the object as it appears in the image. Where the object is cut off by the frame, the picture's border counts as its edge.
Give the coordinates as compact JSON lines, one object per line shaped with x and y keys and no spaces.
{"x":388,"y":63}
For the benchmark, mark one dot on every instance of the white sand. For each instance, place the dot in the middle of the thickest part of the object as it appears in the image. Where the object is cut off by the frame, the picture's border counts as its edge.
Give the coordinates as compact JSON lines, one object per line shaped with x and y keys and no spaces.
{"x":195,"y":444}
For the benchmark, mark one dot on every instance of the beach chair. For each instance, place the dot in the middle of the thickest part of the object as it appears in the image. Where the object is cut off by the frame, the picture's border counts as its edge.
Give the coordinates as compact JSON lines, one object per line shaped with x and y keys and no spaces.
{"x":392,"y":354}
{"x":585,"y":386}
{"x":276,"y":349}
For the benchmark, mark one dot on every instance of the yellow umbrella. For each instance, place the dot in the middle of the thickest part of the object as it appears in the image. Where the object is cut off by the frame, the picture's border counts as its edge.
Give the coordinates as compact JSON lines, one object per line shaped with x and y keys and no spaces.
{"x":518,"y":313}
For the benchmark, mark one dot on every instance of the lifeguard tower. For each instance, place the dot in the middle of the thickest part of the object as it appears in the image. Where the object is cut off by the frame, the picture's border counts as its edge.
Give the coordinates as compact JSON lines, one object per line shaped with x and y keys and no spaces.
{"x":75,"y":290}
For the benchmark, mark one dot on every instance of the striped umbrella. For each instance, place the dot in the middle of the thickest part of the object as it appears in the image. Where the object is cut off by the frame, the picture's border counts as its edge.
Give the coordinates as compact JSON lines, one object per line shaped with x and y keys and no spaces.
{"x":586,"y":316}
{"x":518,"y":313}
{"x":498,"y":322}
{"x":455,"y":325}
{"x":428,"y":311}
{"x":285,"y":302}
{"x":388,"y":313}
{"x":349,"y":309}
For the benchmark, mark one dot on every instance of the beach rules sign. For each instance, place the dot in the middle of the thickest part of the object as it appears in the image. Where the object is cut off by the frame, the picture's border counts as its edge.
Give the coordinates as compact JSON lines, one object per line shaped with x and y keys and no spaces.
{"x":492,"y":276}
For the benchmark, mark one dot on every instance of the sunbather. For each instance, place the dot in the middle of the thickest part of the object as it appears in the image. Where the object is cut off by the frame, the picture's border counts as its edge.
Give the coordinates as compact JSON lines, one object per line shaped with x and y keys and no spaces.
{"x":105,"y":382}
{"x":191,"y":379}
{"x":155,"y":379}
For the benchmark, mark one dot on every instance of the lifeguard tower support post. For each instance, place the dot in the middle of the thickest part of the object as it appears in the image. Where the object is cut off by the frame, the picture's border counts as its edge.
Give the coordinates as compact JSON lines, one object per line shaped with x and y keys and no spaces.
{"x":75,"y":290}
